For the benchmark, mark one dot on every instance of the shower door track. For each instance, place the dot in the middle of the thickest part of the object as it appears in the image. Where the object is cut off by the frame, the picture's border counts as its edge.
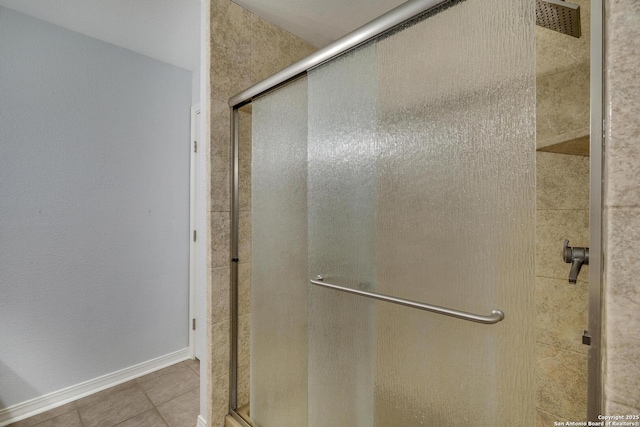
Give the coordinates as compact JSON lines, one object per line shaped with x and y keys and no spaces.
{"x":595,"y":398}
{"x":395,"y":17}
{"x":388,"y":21}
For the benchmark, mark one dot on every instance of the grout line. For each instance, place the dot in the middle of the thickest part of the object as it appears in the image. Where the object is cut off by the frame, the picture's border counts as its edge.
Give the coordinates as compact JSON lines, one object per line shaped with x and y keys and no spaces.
{"x":182,"y":394}
{"x":124,"y":421}
{"x":623,"y":207}
{"x":625,"y":404}
{"x":549,"y":413}
{"x":56,"y":416}
{"x":563,"y":278}
{"x":145,"y":393}
{"x":194,"y":371}
{"x":562,"y":348}
{"x":562,"y":209}
{"x":159,"y":376}
{"x":110,"y":389}
{"x":155,"y":408}
{"x":174,"y":398}
{"x":135,"y":415}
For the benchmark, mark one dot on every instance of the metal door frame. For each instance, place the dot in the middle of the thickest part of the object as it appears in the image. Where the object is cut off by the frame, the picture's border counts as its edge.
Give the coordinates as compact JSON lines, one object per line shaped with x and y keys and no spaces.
{"x":596,"y":187}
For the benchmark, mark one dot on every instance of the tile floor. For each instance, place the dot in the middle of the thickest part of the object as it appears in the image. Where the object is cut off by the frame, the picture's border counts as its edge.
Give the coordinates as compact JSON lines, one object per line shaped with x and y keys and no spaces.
{"x":169,"y":397}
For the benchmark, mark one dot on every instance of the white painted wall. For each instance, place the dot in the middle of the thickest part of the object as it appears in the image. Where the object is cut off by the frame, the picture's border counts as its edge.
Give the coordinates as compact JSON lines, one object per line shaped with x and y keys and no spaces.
{"x":195,"y":86}
{"x":94,"y":199}
{"x":167,"y":30}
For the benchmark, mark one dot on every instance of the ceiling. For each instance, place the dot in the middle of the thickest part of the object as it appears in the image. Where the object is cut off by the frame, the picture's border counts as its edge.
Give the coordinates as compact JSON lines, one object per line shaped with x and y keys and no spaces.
{"x":319,"y":22}
{"x":168,"y":30}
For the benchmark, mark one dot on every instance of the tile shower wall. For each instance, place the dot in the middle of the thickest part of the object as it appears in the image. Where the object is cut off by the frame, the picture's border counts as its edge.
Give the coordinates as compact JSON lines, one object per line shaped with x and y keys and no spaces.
{"x":621,"y":234}
{"x":562,"y":181}
{"x":244,"y":49}
{"x":562,"y":86}
{"x":562,"y":195}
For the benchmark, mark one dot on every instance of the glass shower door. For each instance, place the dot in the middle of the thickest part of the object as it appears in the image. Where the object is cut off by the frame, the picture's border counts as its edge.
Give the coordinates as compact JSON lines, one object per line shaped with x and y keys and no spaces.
{"x":341,"y":198}
{"x":420,"y":185}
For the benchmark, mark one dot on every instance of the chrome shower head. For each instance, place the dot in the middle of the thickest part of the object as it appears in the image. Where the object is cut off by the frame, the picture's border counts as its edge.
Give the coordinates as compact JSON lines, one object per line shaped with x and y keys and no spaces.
{"x":558,"y":16}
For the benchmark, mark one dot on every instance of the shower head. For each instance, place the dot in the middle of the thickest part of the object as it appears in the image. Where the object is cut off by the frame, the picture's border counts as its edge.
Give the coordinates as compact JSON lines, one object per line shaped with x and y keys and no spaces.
{"x":559,"y":16}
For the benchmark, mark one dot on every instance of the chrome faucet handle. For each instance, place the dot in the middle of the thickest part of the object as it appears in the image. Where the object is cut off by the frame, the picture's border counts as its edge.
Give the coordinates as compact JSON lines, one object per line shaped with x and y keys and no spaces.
{"x":566,"y":251}
{"x":577,"y":257}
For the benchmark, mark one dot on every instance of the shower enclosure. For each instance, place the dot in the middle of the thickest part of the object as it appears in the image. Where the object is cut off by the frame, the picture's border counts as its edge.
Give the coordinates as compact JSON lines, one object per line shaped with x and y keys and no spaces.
{"x":383,"y":227}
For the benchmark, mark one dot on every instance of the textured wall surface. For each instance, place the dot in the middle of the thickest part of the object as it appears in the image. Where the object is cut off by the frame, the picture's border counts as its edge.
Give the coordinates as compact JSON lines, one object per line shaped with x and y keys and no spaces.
{"x":562,"y":192}
{"x":622,"y":207}
{"x":244,"y":266}
{"x":562,"y":189}
{"x":562,"y":92}
{"x":94,"y":208}
{"x":245,"y":49}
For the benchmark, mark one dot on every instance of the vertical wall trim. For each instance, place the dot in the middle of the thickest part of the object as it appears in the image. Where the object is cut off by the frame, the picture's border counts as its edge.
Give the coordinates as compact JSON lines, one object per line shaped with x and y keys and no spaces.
{"x":233,"y":307}
{"x":193,"y":225}
{"x":596,"y":257}
{"x":205,"y":199}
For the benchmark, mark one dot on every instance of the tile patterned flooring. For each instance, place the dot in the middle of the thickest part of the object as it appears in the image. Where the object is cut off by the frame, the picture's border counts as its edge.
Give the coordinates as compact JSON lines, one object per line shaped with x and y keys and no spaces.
{"x":169,"y":397}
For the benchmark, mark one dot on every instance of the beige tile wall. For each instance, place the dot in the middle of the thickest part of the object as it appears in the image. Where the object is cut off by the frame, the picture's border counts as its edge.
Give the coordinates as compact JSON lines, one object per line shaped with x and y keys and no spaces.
{"x":560,"y":115}
{"x":244,"y":49}
{"x":562,"y":193}
{"x":562,"y":92}
{"x":622,"y":208}
{"x":562,"y":100}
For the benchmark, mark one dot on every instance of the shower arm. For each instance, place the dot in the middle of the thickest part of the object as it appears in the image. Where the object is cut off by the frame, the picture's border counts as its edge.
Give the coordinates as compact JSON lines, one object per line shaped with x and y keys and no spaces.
{"x":495,"y":316}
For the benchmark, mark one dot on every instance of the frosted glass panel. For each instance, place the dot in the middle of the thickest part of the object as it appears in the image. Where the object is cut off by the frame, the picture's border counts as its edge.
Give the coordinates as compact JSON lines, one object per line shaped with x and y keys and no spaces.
{"x":342,"y":233}
{"x":421,"y":185}
{"x":279,"y":258}
{"x":404,"y":167}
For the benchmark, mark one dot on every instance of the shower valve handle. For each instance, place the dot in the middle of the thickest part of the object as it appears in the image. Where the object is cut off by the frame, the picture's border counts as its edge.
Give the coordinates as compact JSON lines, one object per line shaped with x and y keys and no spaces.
{"x":575,"y":256}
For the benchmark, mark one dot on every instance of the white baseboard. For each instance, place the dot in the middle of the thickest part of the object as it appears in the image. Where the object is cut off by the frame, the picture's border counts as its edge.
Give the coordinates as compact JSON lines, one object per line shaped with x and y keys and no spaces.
{"x":52,"y":400}
{"x":201,"y":422}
